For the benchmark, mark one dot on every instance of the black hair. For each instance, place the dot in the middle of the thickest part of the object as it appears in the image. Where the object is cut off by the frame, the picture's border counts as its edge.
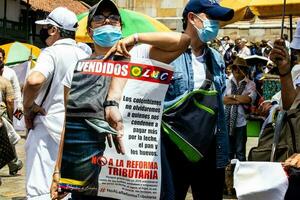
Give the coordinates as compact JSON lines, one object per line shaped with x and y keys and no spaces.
{"x":97,"y":8}
{"x":66,"y":33}
{"x":3,"y":52}
{"x":226,"y":36}
{"x":184,"y":22}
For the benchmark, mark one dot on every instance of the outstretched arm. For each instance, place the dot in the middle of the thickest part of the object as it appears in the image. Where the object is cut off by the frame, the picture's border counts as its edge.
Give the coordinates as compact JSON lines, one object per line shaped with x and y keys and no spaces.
{"x":165,"y":46}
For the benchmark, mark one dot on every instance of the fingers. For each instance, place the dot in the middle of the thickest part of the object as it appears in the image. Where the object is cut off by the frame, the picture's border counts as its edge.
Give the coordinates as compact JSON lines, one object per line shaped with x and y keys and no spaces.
{"x":109,"y":140}
{"x":111,"y":52}
{"x":41,"y":111}
{"x":54,"y":190}
{"x":293,"y":161}
{"x":116,"y":143}
{"x":119,"y":145}
{"x":124,"y":49}
{"x":62,"y":195}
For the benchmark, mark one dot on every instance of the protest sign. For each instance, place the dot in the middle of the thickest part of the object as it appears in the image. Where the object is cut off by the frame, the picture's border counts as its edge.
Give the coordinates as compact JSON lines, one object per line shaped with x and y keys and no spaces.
{"x":137,"y":174}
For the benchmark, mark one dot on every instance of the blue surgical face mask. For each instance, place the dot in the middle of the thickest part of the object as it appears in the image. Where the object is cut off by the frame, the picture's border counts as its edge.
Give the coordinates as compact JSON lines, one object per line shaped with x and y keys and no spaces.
{"x":107,"y":35}
{"x":209,"y":31}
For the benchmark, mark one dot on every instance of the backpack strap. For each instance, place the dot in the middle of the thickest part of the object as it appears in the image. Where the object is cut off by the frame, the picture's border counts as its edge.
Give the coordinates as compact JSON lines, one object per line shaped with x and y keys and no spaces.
{"x":277,"y":132}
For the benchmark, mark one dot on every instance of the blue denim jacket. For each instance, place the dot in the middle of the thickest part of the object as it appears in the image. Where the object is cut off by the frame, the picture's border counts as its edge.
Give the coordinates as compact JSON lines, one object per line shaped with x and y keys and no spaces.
{"x":183,"y":82}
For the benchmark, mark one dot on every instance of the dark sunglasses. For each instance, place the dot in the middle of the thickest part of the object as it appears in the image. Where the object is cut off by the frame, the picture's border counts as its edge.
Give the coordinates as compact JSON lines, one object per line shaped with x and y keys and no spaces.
{"x":101,"y":18}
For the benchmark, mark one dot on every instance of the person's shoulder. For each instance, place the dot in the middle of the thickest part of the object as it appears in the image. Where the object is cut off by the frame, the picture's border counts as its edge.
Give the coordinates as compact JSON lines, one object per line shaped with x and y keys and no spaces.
{"x":4,"y":81}
{"x":8,"y":69}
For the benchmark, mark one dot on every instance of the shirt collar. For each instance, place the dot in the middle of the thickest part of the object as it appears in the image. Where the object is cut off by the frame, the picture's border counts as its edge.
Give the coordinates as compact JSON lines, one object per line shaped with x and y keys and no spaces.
{"x":67,"y":41}
{"x":235,"y":81}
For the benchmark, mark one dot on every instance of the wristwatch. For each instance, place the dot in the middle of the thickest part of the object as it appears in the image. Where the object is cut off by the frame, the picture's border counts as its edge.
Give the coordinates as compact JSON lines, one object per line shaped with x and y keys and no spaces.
{"x":110,"y":103}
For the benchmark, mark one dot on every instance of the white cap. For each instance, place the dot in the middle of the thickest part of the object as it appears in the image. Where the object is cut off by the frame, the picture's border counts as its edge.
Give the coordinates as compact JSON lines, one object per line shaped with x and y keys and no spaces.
{"x":62,"y":18}
{"x":295,"y":44}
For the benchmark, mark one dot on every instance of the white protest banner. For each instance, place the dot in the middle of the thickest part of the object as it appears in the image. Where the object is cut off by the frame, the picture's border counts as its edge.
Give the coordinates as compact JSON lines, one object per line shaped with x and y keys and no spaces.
{"x":137,"y":173}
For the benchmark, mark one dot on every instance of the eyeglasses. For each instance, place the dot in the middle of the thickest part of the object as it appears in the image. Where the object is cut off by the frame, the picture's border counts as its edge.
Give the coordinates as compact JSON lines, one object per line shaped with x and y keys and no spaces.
{"x":114,"y":19}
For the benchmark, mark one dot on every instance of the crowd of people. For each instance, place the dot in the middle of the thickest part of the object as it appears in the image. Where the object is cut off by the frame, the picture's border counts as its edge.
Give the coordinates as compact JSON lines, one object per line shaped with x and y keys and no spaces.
{"x":60,"y":104}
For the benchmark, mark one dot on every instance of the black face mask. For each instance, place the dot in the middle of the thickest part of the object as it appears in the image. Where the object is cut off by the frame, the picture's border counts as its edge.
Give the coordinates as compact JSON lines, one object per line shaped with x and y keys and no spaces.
{"x":1,"y":64}
{"x":44,"y":35}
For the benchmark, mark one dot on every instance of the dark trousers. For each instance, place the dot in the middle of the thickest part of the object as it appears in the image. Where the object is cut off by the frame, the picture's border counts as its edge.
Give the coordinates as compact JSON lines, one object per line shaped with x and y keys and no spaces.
{"x":238,"y":143}
{"x":205,"y":180}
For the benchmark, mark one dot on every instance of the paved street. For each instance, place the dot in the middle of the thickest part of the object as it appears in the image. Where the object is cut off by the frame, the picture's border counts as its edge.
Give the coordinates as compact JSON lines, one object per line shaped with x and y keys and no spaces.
{"x":13,"y":187}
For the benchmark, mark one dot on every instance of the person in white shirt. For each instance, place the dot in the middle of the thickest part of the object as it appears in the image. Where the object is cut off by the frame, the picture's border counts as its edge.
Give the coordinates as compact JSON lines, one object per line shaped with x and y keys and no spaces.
{"x":9,"y":74}
{"x":44,"y":99}
{"x":239,"y":91}
{"x":241,"y":49}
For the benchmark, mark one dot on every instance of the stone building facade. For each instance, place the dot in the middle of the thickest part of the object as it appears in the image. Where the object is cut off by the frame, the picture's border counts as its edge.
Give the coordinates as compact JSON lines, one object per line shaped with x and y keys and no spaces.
{"x":169,"y":12}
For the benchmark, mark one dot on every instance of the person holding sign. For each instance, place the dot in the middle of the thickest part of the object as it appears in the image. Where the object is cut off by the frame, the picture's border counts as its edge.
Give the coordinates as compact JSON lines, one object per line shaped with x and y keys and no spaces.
{"x":91,"y":100}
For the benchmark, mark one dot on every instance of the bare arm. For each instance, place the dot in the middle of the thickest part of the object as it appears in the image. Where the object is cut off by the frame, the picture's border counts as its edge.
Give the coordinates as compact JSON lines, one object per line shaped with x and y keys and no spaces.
{"x":288,"y":92}
{"x":280,"y":56}
{"x":9,"y":100}
{"x":61,"y":145}
{"x":31,"y":88}
{"x":165,"y":46}
{"x":10,"y":108}
{"x":229,"y":100}
{"x":54,"y":191}
{"x":113,"y":115}
{"x":17,"y":90}
{"x":243,"y":99}
{"x":237,"y":99}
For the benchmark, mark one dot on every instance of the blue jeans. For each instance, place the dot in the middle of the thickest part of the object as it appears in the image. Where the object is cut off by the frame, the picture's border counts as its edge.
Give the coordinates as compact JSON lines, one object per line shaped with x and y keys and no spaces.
{"x":238,"y":143}
{"x":82,"y":144}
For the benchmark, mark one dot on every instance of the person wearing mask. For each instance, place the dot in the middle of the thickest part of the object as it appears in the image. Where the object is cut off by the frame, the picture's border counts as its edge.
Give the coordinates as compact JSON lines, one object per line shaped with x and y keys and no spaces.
{"x":206,"y":177}
{"x":44,"y":99}
{"x":104,"y":27}
{"x":239,"y":91}
{"x":9,"y":74}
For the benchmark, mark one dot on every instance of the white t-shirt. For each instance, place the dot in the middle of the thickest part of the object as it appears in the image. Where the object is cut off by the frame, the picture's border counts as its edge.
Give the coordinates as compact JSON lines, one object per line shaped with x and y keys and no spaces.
{"x":55,"y":61}
{"x":11,"y":75}
{"x":244,"y":52}
{"x":199,"y":68}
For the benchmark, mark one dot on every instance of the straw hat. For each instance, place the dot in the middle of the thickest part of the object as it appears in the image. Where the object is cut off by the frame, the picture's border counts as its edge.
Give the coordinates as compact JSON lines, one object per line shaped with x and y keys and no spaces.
{"x":239,"y":62}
